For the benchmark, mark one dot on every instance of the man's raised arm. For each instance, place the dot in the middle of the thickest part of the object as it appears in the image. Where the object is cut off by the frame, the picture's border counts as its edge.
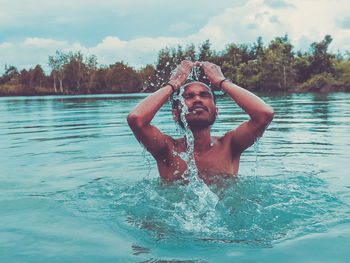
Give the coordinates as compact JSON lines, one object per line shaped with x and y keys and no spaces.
{"x":140,"y":117}
{"x":260,"y":113}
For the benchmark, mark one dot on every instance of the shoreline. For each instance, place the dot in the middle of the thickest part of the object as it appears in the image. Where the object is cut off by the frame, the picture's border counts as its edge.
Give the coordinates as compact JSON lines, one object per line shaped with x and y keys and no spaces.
{"x":334,"y":89}
{"x":16,"y":90}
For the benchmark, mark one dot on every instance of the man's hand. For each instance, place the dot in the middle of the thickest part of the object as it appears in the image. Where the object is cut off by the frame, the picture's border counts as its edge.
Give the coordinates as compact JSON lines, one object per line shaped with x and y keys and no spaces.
{"x":212,"y":71}
{"x":181,"y":73}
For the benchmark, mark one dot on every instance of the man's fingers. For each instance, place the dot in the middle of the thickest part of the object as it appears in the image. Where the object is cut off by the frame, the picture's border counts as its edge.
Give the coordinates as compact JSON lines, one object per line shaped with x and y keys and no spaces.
{"x":199,"y":63}
{"x":211,"y":70}
{"x":181,"y":73}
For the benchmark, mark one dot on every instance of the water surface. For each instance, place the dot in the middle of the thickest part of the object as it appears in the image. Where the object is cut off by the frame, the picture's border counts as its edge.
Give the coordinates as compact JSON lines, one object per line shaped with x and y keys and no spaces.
{"x":75,"y":185}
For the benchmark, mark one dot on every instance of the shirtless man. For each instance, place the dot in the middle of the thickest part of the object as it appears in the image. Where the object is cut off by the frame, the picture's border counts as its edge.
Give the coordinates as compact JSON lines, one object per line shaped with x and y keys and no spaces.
{"x":214,"y":156}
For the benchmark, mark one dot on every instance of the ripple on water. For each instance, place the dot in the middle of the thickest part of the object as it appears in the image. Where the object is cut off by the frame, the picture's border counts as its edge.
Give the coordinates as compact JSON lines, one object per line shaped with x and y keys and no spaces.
{"x":252,"y":211}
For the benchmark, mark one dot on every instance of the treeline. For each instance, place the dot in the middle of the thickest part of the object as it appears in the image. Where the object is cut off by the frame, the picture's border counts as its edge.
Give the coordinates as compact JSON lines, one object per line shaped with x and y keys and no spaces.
{"x":275,"y":67}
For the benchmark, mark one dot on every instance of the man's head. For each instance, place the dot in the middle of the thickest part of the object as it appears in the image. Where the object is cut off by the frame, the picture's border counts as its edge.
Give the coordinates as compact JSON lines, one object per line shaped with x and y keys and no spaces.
{"x":200,"y":102}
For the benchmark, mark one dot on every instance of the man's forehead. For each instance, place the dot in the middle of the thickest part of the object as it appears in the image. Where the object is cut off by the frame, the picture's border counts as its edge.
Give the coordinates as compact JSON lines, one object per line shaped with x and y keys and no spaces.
{"x":196,"y":85}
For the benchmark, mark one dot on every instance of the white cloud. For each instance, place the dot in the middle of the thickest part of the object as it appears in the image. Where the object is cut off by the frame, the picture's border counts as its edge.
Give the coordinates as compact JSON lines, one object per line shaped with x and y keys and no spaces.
{"x":6,"y":45}
{"x":304,"y":21}
{"x":33,"y":51}
{"x":36,"y":42}
{"x":137,"y":52}
{"x":30,"y":52}
{"x":180,"y":27}
{"x":242,"y":24}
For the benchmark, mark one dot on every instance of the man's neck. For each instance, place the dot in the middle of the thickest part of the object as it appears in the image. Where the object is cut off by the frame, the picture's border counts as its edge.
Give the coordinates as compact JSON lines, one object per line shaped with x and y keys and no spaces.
{"x":202,"y":140}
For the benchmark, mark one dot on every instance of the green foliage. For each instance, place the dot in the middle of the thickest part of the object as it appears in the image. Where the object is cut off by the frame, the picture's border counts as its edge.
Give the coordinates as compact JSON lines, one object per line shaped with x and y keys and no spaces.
{"x":190,"y":53}
{"x":74,"y":71}
{"x":11,"y":74}
{"x":275,"y":67}
{"x":248,"y":75}
{"x":120,"y":78}
{"x":321,"y":60}
{"x":342,"y":69}
{"x":204,"y":51}
{"x":320,"y":82}
{"x":147,"y":75}
{"x":165,"y":66}
{"x":33,"y":79}
{"x":233,"y":58}
{"x":97,"y":83}
{"x":301,"y":66}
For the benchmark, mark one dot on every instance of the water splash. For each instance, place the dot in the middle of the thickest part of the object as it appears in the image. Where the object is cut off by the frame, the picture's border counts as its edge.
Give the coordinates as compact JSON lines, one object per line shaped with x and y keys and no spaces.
{"x":255,"y":169}
{"x":253,"y":211}
{"x":194,"y":73}
{"x":198,"y":206}
{"x":147,"y":159}
{"x":196,"y":209}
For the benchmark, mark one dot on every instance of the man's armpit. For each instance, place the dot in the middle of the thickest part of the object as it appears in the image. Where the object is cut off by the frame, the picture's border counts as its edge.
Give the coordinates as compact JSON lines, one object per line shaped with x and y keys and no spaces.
{"x":162,"y":155}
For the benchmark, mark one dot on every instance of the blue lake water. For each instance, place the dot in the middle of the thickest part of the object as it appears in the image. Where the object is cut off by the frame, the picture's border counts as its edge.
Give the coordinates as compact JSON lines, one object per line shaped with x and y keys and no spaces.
{"x":75,"y":186}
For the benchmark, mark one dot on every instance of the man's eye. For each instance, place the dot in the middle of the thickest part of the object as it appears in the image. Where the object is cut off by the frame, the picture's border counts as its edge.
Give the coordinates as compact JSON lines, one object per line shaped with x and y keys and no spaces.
{"x":188,"y":96}
{"x":205,"y":94}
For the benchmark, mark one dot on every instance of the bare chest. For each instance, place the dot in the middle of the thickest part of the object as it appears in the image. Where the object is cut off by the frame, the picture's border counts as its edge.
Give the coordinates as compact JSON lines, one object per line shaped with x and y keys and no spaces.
{"x":216,"y":161}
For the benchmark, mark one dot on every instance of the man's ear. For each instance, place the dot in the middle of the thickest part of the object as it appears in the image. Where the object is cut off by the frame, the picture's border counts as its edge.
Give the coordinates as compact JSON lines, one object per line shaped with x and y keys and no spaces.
{"x":216,"y":112}
{"x":175,"y":115}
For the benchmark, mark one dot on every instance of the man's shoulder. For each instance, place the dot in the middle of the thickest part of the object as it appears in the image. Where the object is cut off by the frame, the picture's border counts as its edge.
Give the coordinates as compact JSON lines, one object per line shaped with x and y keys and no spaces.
{"x":230,"y":139}
{"x":229,"y":135}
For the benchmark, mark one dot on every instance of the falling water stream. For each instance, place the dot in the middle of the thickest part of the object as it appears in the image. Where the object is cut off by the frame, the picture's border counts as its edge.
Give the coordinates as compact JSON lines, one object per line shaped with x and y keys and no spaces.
{"x":203,"y":206}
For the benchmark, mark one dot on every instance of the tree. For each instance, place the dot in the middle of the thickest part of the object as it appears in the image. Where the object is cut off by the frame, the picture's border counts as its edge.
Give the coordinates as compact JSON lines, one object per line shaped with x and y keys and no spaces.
{"x":205,"y":52}
{"x":276,"y":70}
{"x":25,"y":79}
{"x":321,"y":60}
{"x":268,"y":69}
{"x":233,"y":57}
{"x":38,"y":77}
{"x":258,"y":48}
{"x":190,"y":53}
{"x":121,"y":78}
{"x":316,"y":62}
{"x":97,"y":82}
{"x":11,"y":73}
{"x":164,"y":67}
{"x":178,"y":55}
{"x":32,"y":79}
{"x":147,"y":75}
{"x":91,"y":68}
{"x":57,"y":64}
{"x":248,"y":75}
{"x":302,"y":68}
{"x":74,"y":71}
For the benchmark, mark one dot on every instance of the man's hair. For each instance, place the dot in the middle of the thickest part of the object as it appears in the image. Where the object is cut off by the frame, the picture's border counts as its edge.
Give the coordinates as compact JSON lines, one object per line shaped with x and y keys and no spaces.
{"x":175,"y":102}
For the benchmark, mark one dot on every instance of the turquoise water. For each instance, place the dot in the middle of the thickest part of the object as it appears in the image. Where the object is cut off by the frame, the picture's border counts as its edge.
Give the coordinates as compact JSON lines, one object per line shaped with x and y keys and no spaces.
{"x":75,"y":186}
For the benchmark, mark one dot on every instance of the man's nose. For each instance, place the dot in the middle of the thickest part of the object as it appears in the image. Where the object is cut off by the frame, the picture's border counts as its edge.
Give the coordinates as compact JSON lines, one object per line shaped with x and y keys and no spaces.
{"x":197,"y":97}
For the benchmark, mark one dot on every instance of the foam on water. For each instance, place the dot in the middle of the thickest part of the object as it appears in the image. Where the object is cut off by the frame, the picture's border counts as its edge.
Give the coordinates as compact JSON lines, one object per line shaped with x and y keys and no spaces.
{"x":250,"y":210}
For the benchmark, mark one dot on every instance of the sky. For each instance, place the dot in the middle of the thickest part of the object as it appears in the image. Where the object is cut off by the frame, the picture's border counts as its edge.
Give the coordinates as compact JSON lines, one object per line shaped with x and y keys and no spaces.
{"x":134,"y":31}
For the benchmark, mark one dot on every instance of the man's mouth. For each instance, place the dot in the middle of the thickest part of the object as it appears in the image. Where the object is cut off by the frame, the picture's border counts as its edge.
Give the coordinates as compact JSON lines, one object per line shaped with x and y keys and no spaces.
{"x":198,"y":108}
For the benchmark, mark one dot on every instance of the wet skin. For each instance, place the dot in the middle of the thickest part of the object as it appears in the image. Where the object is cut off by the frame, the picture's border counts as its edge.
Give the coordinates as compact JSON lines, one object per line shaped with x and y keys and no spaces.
{"x":213,"y":157}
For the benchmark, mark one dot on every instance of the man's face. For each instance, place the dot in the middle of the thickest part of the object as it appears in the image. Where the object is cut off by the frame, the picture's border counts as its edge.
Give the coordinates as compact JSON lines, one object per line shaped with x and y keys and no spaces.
{"x":200,"y":103}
